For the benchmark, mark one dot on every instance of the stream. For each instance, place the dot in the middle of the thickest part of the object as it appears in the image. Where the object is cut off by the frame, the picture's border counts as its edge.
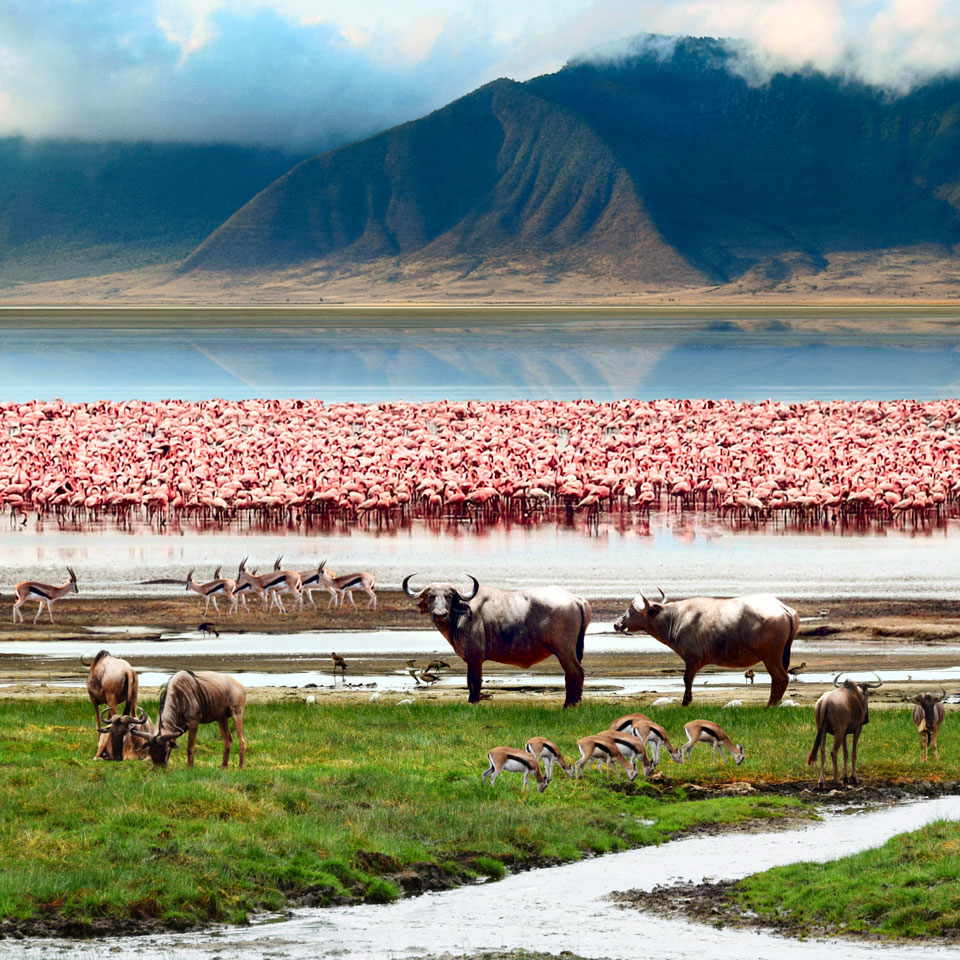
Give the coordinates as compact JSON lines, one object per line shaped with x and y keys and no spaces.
{"x":555,"y":909}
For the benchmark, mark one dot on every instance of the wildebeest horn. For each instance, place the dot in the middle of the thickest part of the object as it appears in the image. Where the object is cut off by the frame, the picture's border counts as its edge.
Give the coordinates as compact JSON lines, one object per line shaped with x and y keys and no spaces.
{"x":943,"y":695}
{"x":646,"y":602}
{"x":836,"y":678}
{"x":476,"y":589}
{"x":143,"y":734}
{"x":84,"y":662}
{"x":869,"y":685}
{"x":105,"y":717}
{"x":406,"y":589}
{"x":276,"y":563}
{"x":141,"y":716}
{"x":663,"y":596}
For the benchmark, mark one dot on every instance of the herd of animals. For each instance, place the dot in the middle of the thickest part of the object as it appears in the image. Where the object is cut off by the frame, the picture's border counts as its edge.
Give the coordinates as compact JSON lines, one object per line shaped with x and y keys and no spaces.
{"x":515,"y":627}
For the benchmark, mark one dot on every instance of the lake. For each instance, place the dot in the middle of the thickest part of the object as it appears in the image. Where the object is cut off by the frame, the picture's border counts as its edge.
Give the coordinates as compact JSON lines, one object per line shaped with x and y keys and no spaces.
{"x":371,"y":355}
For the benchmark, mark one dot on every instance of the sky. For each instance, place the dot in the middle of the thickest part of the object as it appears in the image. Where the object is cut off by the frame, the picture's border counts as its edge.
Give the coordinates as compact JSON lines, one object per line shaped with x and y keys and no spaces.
{"x":309,"y":74}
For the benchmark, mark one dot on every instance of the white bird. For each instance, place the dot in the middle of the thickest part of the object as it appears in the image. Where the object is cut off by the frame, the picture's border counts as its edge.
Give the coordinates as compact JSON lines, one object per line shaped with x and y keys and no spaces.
{"x":733,"y":703}
{"x":310,"y":699}
{"x":401,"y":702}
{"x":662,"y":701}
{"x":789,"y":703}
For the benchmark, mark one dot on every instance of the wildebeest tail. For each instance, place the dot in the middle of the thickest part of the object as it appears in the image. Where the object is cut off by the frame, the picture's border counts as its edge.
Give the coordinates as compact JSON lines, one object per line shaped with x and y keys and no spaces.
{"x":584,"y":621}
{"x":163,"y":700}
{"x":794,"y":625}
{"x":816,"y":743}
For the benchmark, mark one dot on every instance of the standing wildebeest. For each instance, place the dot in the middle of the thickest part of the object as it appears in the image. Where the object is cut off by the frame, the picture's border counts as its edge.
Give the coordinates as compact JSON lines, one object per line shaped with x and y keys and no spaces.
{"x":519,"y":627}
{"x":841,"y":712}
{"x":111,"y":681}
{"x":190,"y":699}
{"x":928,"y":714}
{"x":115,"y":741}
{"x":737,"y":632}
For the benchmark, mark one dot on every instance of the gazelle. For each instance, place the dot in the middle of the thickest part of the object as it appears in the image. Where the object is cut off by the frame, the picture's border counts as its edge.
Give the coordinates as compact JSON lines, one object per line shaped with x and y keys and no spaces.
{"x":652,"y":734}
{"x":704,"y":731}
{"x":221,"y":586}
{"x":547,"y":751}
{"x":603,"y":749}
{"x":346,"y":584}
{"x":513,"y":761}
{"x":43,"y":593}
{"x":269,"y":584}
{"x":310,"y":584}
{"x":634,"y":750}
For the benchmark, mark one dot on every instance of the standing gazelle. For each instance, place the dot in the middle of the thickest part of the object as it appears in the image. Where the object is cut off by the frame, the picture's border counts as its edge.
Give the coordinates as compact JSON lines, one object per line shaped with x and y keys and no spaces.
{"x":269,"y":584}
{"x":547,"y":751}
{"x":44,"y":593}
{"x":705,"y":731}
{"x":218,"y":585}
{"x":349,"y":582}
{"x":514,"y":761}
{"x":928,"y":714}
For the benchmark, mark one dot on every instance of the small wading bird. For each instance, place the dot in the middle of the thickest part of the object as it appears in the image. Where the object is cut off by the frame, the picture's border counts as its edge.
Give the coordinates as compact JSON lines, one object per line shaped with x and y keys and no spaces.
{"x":796,"y":671}
{"x":43,"y":593}
{"x":750,"y":675}
{"x":338,"y":664}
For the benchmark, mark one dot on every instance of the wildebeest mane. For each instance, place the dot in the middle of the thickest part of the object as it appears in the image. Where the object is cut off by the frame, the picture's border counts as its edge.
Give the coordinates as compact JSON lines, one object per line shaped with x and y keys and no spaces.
{"x":163,"y":700}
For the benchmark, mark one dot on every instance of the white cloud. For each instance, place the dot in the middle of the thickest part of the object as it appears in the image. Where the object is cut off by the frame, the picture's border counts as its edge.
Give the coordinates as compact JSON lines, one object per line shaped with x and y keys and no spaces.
{"x":308,"y":73}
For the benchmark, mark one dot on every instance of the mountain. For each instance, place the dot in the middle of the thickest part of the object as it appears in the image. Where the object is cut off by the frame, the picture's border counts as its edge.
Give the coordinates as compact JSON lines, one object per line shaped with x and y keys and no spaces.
{"x":654,"y":171}
{"x":69,"y":208}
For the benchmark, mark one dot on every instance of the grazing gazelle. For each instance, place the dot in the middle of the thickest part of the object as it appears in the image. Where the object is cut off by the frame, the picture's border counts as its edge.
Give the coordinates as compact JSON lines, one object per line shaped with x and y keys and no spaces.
{"x":43,"y":593}
{"x":514,"y":761}
{"x":633,"y":749}
{"x":705,"y":731}
{"x":346,"y":584}
{"x":217,"y":586}
{"x":652,"y":734}
{"x":601,"y":748}
{"x":928,"y":714}
{"x":547,"y":751}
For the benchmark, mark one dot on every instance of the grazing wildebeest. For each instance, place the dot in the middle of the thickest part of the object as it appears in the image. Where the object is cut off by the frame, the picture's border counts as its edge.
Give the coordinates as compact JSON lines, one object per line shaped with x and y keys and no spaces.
{"x":735,"y":632}
{"x":111,"y":681}
{"x":190,"y":699}
{"x":115,"y":741}
{"x":518,"y":627}
{"x":841,"y":712}
{"x":928,"y":714}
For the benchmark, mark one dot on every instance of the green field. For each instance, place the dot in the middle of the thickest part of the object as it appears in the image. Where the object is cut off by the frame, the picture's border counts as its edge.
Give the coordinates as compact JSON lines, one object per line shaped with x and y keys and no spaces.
{"x":909,"y":887}
{"x":346,"y":801}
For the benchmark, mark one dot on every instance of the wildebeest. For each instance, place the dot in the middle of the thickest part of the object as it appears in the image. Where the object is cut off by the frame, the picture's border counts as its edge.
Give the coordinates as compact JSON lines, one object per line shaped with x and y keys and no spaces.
{"x":518,"y":627}
{"x":841,"y":712}
{"x":115,"y":741}
{"x":190,"y":699}
{"x":928,"y":714}
{"x":111,"y":681}
{"x":735,"y":632}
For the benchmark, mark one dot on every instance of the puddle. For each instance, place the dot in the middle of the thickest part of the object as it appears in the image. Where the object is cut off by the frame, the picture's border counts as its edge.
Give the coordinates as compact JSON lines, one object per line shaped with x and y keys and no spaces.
{"x":562,"y":908}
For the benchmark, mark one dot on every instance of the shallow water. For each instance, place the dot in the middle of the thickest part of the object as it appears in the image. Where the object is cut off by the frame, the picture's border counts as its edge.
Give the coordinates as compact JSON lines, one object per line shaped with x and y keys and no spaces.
{"x":562,"y":908}
{"x":744,"y":353}
{"x":687,"y":554}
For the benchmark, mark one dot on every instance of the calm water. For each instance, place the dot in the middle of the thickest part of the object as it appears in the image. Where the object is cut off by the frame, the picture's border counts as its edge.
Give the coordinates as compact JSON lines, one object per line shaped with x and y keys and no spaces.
{"x":789,"y":354}
{"x":685,"y":554}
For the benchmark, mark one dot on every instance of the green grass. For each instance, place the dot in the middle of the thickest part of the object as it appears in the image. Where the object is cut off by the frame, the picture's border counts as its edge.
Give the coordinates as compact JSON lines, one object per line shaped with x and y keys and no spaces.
{"x":909,"y":887}
{"x":337,"y":800}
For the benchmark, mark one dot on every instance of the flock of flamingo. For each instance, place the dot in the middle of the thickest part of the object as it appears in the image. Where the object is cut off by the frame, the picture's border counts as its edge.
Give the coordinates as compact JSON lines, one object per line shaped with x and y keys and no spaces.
{"x":876,"y":461}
